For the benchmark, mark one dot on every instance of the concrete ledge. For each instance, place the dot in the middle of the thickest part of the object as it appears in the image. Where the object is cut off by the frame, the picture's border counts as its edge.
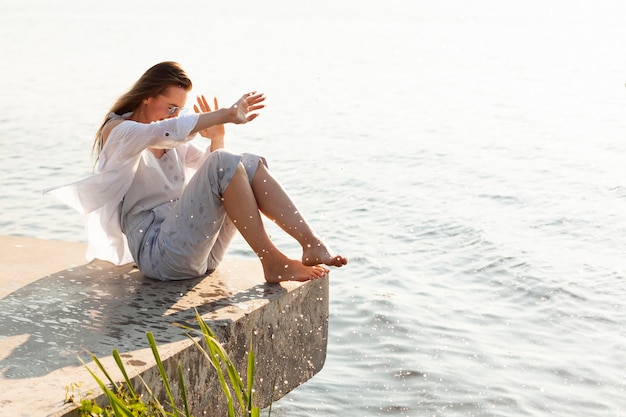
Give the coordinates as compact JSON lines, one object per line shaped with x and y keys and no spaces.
{"x":24,"y":260}
{"x":97,"y":307}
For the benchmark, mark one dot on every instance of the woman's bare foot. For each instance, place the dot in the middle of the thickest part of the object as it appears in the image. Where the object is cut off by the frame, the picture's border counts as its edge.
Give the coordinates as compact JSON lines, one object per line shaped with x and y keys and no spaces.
{"x":318,"y":253}
{"x":291,"y":270}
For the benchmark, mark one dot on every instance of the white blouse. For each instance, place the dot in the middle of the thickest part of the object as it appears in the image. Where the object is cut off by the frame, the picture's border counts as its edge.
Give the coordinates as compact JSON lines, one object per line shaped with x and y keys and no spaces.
{"x":98,"y":197}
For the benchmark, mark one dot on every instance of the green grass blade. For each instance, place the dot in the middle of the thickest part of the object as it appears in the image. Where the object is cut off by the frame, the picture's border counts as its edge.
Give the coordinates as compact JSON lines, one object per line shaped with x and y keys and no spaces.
{"x":214,"y":360}
{"x":183,"y":391}
{"x":204,"y":327}
{"x":156,"y":401}
{"x":117,"y":405}
{"x":220,"y":374}
{"x":269,"y":413}
{"x":250,"y":374}
{"x":120,"y":364}
{"x":236,"y":382}
{"x":202,"y":350}
{"x":95,"y":377}
{"x":104,"y":371}
{"x":216,"y":352}
{"x":166,"y":383}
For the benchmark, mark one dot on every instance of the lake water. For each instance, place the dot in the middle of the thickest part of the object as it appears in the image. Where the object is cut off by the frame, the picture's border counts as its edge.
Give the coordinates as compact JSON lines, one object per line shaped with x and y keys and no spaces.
{"x":467,"y":156}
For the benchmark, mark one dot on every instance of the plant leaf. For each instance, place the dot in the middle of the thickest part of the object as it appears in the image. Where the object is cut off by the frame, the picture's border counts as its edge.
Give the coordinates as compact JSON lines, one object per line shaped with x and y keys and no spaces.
{"x":118,"y":407}
{"x":155,"y":353}
{"x":183,"y":391}
{"x":250,"y":374}
{"x":120,"y":364}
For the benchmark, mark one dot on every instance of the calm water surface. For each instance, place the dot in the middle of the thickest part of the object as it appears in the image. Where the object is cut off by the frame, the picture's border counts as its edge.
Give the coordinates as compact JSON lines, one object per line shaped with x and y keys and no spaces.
{"x":467,"y":157}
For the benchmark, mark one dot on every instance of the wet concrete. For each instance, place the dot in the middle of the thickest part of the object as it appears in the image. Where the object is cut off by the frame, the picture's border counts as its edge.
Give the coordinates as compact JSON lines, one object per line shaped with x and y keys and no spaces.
{"x":47,"y":323}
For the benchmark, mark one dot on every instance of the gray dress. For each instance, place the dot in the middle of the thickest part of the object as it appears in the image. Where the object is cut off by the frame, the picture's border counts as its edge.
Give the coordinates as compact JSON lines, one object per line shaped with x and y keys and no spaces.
{"x":177,"y":231}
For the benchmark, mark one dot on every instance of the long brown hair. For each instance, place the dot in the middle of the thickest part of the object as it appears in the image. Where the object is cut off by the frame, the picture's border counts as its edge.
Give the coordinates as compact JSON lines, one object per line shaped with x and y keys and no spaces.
{"x":153,"y":82}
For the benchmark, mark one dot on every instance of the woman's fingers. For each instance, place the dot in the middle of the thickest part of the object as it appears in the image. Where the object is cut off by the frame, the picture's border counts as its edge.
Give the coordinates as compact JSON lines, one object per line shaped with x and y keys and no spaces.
{"x":203,"y":104}
{"x":254,"y":108}
{"x":247,"y":104}
{"x":251,"y":102}
{"x":254,"y":98}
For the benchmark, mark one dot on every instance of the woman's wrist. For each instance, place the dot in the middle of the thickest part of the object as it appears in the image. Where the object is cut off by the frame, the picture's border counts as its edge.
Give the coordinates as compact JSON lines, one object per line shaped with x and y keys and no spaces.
{"x":231,"y":114}
{"x":217,"y":143}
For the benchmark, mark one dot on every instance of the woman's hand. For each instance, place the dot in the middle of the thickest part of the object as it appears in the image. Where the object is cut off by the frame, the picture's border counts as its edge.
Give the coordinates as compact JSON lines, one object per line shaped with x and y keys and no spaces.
{"x":210,"y":123}
{"x":216,"y":132}
{"x":247,"y":104}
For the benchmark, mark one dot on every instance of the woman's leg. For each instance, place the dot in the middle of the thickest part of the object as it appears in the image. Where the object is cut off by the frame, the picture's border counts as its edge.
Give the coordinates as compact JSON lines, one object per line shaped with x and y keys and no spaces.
{"x":194,"y":235}
{"x":275,"y":203}
{"x":241,"y":206}
{"x":219,"y":248}
{"x":190,"y":238}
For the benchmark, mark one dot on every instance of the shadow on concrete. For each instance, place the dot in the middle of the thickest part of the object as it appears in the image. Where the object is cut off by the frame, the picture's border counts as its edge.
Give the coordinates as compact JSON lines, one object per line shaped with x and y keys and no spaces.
{"x":99,"y":307}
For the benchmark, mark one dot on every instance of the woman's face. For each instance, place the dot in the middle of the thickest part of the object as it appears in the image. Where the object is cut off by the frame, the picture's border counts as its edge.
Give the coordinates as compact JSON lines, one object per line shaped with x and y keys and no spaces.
{"x":165,"y":105}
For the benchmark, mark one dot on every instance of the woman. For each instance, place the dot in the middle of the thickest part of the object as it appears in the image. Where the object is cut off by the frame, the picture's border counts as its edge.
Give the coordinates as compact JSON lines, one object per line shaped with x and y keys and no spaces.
{"x":172,"y":207}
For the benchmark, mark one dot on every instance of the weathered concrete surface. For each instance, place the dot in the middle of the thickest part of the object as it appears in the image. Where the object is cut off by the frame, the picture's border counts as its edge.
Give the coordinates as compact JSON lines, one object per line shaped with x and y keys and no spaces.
{"x":23,"y":260}
{"x":97,"y":307}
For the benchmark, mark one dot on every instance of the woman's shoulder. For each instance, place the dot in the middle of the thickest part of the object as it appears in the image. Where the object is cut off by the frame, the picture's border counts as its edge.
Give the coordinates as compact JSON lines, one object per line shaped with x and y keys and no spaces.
{"x":111,"y":124}
{"x":113,"y":121}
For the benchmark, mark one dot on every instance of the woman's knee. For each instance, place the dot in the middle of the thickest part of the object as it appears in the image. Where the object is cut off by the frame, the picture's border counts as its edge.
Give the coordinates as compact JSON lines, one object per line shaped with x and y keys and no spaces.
{"x":252,"y":163}
{"x":220,"y":167}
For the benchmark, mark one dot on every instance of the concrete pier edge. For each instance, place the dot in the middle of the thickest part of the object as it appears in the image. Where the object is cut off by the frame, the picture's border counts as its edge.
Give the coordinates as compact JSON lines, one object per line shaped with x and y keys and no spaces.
{"x":53,"y":308}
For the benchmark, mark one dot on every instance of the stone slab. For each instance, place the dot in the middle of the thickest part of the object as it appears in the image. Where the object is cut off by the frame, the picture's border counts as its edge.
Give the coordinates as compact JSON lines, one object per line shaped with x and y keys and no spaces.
{"x":47,"y":323}
{"x":24,"y":259}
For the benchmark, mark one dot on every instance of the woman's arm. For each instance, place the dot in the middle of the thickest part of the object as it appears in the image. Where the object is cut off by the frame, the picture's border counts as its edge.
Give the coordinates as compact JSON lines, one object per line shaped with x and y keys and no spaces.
{"x":124,"y":139}
{"x":214,"y":133}
{"x":238,"y":113}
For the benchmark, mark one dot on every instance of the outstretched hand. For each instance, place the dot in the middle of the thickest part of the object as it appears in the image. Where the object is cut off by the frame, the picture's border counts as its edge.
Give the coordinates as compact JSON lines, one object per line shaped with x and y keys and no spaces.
{"x":215,"y":132}
{"x":246,"y":105}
